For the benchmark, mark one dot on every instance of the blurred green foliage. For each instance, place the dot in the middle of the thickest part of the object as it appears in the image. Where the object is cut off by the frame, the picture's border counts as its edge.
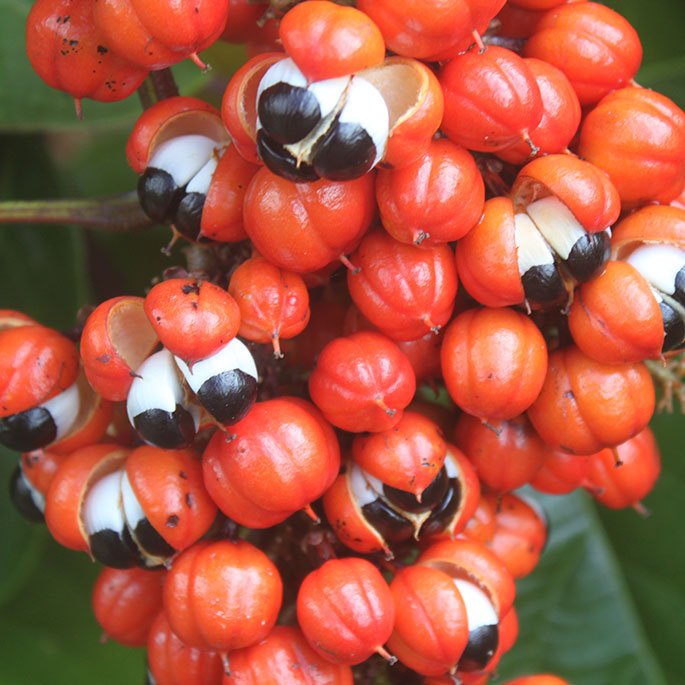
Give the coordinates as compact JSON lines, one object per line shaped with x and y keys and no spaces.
{"x":607,"y":601}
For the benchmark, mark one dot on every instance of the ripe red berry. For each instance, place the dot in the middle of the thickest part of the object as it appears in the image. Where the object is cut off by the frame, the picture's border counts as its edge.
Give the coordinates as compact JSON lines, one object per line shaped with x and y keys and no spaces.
{"x":431,"y":31}
{"x":637,"y":136}
{"x":171,"y":662}
{"x":346,"y":610}
{"x":273,"y":302}
{"x":506,"y":454}
{"x":494,"y":362}
{"x":407,"y":457}
{"x":431,"y":627}
{"x":326,"y":40}
{"x":284,"y":656}
{"x":435,"y":200}
{"x":492,"y":100}
{"x":362,"y":382}
{"x":126,"y":602}
{"x":192,"y":318}
{"x":158,"y":33}
{"x":69,"y":52}
{"x":404,"y":290}
{"x":585,"y":405}
{"x":277,"y":460}
{"x":592,"y":44}
{"x":302,"y":227}
{"x":222,"y":595}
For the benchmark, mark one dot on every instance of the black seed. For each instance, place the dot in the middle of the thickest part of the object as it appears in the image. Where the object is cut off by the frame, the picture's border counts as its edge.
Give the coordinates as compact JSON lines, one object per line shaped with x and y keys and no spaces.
{"x":281,"y":162}
{"x":288,"y":113}
{"x":443,"y":514}
{"x":587,"y":257}
{"x":149,"y":678}
{"x":674,"y":328}
{"x":21,"y":494}
{"x":481,"y":647}
{"x":188,"y":217}
{"x":114,"y":550}
{"x":150,"y":541}
{"x":229,"y":395}
{"x":430,"y":497}
{"x":391,"y":526}
{"x":158,"y":194}
{"x":347,"y":151}
{"x":28,"y":430}
{"x":679,"y":292}
{"x":543,"y":285}
{"x":164,"y":429}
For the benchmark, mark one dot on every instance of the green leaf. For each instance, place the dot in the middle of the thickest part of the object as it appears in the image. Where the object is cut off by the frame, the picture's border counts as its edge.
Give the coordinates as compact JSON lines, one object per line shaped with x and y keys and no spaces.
{"x":22,"y":543}
{"x":577,"y":616}
{"x":49,"y":635}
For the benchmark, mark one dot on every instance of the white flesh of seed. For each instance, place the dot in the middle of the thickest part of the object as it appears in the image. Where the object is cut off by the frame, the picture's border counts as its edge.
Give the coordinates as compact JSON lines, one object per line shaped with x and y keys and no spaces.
{"x":182,"y":157}
{"x":365,"y":106}
{"x":234,"y":355}
{"x":363,"y":486}
{"x":36,"y":497}
{"x":64,"y":409}
{"x":479,"y":609}
{"x":328,"y":93}
{"x":132,"y":510}
{"x":451,"y":465}
{"x":531,"y":248}
{"x":659,"y":264}
{"x":285,"y":71}
{"x":202,"y":179}
{"x":103,"y":508}
{"x":156,"y":386}
{"x":557,"y":224}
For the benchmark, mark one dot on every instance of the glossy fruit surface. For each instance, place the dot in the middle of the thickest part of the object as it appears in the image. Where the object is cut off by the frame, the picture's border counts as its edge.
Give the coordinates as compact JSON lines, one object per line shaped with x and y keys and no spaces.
{"x":345,"y":610}
{"x":494,"y":362}
{"x":222,"y":595}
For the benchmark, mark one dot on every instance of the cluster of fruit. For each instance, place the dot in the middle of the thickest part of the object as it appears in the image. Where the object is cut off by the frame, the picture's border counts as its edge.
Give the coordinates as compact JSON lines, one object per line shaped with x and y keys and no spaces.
{"x":353,"y":174}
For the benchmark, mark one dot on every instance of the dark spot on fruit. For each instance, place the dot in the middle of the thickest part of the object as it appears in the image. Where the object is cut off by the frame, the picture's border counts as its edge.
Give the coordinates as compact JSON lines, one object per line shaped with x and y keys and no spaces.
{"x":172,"y":521}
{"x":191,"y":288}
{"x":189,"y":500}
{"x":102,"y":50}
{"x":103,"y":358}
{"x":183,"y":474}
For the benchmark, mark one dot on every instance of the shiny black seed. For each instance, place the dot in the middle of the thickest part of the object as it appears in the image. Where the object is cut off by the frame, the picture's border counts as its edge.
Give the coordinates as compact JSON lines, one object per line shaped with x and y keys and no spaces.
{"x":588,"y":256}
{"x":188,"y":216}
{"x":281,"y":162}
{"x":430,"y":497}
{"x":150,"y":541}
{"x":481,"y":647}
{"x":21,"y":494}
{"x":543,"y":285}
{"x":679,"y":292}
{"x":149,"y":678}
{"x":288,"y":113}
{"x":347,"y":151}
{"x":113,"y":549}
{"x":229,"y":395}
{"x":674,"y":328}
{"x":158,"y":194}
{"x":28,"y":430}
{"x":391,"y":526}
{"x":168,"y":430}
{"x":443,"y":514}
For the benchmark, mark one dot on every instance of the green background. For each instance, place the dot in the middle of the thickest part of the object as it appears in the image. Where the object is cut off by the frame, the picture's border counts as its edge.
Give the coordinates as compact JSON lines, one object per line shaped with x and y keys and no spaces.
{"x":606,"y":604}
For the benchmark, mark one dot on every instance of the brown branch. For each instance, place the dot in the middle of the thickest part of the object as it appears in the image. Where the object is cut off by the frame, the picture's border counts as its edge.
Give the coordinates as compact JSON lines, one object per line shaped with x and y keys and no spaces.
{"x":115,"y":213}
